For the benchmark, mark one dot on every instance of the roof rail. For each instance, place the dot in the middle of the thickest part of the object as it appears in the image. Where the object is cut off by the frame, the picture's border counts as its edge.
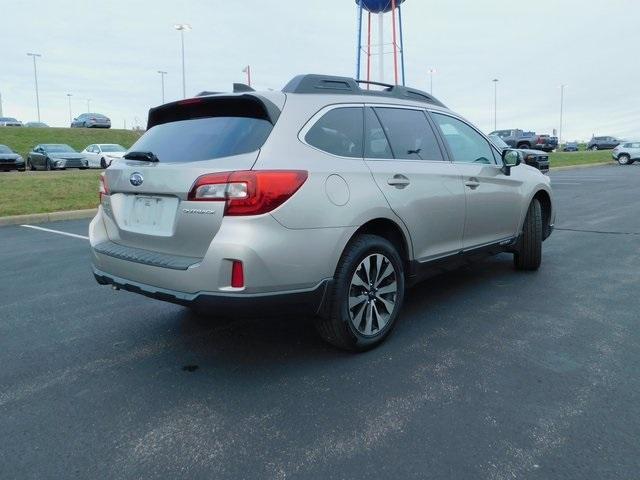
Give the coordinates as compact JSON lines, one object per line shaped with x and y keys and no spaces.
{"x":313,"y":83}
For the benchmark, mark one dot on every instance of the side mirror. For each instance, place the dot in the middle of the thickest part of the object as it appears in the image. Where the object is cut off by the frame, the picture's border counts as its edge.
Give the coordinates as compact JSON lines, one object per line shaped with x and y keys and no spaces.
{"x":511,"y":158}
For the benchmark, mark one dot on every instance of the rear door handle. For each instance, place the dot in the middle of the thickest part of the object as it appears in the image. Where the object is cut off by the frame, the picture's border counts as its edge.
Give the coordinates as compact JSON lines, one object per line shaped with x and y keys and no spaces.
{"x":398,"y":181}
{"x":472,"y":183}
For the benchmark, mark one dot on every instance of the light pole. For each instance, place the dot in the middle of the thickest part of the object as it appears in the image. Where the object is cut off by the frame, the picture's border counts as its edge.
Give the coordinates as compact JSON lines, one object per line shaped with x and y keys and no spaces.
{"x":495,"y":103}
{"x":70,"y":115}
{"x":561,"y":108}
{"x":35,"y":74}
{"x":183,"y":27}
{"x":0,"y":104}
{"x":88,"y":105}
{"x":162,"y":74}
{"x":431,"y":72}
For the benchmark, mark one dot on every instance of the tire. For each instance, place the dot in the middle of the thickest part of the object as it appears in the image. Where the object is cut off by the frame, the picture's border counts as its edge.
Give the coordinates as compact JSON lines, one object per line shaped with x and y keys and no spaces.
{"x":373,"y":314}
{"x":594,"y":148}
{"x":624,"y":159}
{"x":103,"y":163}
{"x":528,"y":255}
{"x":524,"y":146}
{"x":30,"y":165}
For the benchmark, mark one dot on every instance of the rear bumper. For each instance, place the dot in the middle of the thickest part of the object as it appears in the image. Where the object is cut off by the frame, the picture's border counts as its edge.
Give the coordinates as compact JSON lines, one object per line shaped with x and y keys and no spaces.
{"x":308,"y":301}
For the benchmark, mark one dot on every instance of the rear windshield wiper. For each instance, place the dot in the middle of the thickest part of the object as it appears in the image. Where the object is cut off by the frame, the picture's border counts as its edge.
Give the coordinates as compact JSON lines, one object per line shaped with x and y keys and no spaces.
{"x":142,"y":156}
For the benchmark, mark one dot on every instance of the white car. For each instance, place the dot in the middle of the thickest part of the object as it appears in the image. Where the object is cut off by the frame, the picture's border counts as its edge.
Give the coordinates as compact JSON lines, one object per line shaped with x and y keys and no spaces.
{"x":100,"y":155}
{"x":627,"y":152}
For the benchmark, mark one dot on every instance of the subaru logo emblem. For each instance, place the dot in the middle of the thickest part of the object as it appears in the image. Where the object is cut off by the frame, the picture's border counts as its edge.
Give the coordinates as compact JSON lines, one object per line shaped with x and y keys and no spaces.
{"x":136,"y":179}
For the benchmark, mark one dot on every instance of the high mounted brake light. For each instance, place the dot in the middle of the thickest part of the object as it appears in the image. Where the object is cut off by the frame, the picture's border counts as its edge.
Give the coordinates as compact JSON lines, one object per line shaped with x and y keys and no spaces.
{"x":248,"y":192}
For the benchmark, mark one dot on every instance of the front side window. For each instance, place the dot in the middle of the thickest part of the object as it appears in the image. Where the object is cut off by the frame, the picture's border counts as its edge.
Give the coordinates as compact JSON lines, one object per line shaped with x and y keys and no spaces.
{"x":339,"y":132}
{"x":409,"y":134}
{"x":466,"y":145}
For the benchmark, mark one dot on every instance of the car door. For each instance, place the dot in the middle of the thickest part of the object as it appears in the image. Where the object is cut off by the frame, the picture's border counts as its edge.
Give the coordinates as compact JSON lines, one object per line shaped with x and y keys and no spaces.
{"x":493,"y":199}
{"x":421,"y":186}
{"x":634,"y":151}
{"x":95,"y":155}
{"x":37,"y":157}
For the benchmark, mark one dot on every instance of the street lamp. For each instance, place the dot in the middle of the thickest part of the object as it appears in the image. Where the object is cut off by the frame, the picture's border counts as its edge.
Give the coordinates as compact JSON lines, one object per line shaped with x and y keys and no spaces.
{"x":183,"y":27}
{"x":88,"y":105}
{"x":70,"y":115}
{"x":562,"y":87}
{"x":35,"y":74}
{"x":162,"y":74}
{"x":431,"y":72}
{"x":495,"y":103}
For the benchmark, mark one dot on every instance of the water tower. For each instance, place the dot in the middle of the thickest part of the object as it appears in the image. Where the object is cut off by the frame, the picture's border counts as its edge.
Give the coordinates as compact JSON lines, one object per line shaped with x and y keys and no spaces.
{"x":380,"y":8}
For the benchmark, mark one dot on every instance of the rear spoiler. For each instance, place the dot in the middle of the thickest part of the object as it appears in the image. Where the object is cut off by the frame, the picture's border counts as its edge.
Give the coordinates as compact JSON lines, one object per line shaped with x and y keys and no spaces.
{"x":246,"y":105}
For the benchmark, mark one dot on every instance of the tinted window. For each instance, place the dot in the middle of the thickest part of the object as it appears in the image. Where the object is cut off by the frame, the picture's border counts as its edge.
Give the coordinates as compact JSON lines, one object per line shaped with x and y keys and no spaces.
{"x":409,"y":134}
{"x":113,"y":148}
{"x":5,"y":149}
{"x":61,"y":148}
{"x":466,"y":145}
{"x":376,"y":144}
{"x":339,"y":132}
{"x":204,"y":138}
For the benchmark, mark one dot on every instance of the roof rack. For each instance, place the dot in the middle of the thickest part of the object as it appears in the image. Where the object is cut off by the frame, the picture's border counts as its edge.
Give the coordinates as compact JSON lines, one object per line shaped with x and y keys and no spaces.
{"x":313,"y":83}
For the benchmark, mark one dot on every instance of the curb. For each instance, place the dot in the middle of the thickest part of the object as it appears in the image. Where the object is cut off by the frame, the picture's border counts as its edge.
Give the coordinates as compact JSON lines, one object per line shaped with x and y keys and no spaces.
{"x":584,"y":165}
{"x":47,"y":217}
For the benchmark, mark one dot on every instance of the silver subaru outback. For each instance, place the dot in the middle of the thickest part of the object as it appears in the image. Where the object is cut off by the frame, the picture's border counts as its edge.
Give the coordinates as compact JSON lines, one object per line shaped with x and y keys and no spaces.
{"x":325,"y":198}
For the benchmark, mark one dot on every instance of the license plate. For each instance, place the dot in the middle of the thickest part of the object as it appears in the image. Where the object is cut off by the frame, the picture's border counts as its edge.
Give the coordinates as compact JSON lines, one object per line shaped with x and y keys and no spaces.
{"x":146,"y":211}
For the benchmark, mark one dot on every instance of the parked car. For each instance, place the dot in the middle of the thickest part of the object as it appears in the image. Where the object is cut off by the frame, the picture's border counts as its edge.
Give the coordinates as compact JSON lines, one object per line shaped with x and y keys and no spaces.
{"x":9,"y":122}
{"x":9,"y":160}
{"x":536,"y":158}
{"x":36,"y":125}
{"x":603,"y":143}
{"x":91,"y":120}
{"x":100,"y":155}
{"x":571,"y":147}
{"x":52,"y":156}
{"x":626,"y":153}
{"x":546,"y":143}
{"x":516,"y":138}
{"x":333,"y":202}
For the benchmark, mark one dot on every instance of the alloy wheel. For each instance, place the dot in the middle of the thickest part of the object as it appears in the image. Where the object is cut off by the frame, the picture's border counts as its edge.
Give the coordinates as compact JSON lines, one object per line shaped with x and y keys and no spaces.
{"x":372,"y":294}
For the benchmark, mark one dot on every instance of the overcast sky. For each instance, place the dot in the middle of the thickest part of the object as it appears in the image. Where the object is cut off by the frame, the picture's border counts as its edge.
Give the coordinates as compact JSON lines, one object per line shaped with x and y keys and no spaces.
{"x":110,"y":51}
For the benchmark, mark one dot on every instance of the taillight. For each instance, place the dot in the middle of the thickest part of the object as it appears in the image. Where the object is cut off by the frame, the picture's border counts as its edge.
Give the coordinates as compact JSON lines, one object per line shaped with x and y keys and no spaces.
{"x":103,"y":186}
{"x":248,"y":192}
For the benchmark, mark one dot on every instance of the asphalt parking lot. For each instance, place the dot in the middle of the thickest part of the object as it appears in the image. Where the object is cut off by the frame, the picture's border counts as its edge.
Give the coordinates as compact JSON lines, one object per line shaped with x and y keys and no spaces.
{"x":491,"y":373}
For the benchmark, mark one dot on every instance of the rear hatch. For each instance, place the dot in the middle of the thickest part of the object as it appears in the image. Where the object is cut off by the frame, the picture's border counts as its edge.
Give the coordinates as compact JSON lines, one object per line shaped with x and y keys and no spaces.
{"x":148,"y":200}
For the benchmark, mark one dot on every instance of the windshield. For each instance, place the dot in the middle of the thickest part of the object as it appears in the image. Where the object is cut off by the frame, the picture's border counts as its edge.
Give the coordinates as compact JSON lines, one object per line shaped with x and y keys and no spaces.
{"x":498,"y":142}
{"x":59,"y":148}
{"x":204,"y":138}
{"x":5,"y":149}
{"x":113,"y":148}
{"x":7,"y":119}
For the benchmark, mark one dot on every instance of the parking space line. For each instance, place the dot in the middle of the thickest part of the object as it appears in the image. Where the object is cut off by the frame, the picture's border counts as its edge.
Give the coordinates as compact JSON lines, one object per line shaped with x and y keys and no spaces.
{"x":56,"y":231}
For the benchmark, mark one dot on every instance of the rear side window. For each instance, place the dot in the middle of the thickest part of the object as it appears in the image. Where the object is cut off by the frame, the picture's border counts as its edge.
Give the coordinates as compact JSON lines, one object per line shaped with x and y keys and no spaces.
{"x":204,"y":138}
{"x":339,"y":132}
{"x":376,"y":144}
{"x":409,"y":134}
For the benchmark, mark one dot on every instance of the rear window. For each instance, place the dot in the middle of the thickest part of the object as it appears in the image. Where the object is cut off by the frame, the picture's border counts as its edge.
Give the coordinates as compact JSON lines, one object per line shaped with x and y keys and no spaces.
{"x":4,"y":149}
{"x":204,"y":138}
